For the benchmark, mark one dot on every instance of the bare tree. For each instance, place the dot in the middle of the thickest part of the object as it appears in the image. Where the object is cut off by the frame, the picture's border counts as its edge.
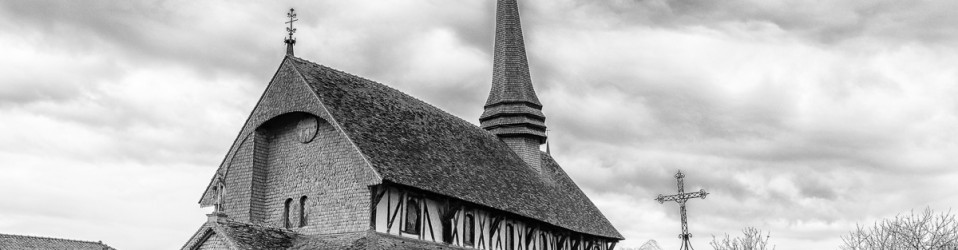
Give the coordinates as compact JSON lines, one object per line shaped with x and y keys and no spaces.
{"x":919,"y":231}
{"x":752,"y":240}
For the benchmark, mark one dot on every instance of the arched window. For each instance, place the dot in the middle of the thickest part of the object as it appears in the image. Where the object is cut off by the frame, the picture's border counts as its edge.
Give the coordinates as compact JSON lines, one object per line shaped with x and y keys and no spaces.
{"x":469,"y":231}
{"x":413,"y":212}
{"x":510,"y":237}
{"x":218,"y":204}
{"x":303,"y":221}
{"x":286,"y":223}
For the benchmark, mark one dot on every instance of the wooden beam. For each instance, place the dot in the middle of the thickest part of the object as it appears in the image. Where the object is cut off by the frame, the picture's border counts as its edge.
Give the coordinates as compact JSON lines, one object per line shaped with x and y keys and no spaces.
{"x":520,"y":238}
{"x":496,"y":221}
{"x":482,"y":232}
{"x":425,"y":210}
{"x":530,"y":230}
{"x":455,"y":229}
{"x":389,"y":224}
{"x":561,"y":239}
{"x":576,"y":243}
{"x":377,"y":193}
{"x":450,"y":210}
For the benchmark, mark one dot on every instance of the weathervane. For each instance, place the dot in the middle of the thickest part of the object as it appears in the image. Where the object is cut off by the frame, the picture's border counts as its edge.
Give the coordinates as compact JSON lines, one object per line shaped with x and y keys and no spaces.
{"x":290,"y":41}
{"x":681,"y":198}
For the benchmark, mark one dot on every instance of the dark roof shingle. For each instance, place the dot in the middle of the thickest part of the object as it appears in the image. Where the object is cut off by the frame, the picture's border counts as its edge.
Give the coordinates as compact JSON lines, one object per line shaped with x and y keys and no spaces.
{"x":412,"y":143}
{"x":247,"y":236}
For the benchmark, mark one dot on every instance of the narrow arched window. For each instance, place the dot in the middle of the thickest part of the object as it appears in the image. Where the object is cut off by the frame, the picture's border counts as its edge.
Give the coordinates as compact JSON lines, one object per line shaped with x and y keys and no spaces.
{"x":218,"y":204}
{"x":303,"y":221}
{"x":469,"y":231}
{"x":413,"y":213}
{"x":286,"y":223}
{"x":510,"y":237}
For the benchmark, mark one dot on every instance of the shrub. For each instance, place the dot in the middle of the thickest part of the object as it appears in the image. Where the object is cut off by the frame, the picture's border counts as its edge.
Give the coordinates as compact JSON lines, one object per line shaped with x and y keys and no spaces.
{"x":752,"y":240}
{"x":924,"y":230}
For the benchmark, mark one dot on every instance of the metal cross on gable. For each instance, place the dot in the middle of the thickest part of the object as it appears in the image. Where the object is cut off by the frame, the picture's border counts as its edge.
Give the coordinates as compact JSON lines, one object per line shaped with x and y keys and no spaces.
{"x":290,"y":41}
{"x":681,"y":198}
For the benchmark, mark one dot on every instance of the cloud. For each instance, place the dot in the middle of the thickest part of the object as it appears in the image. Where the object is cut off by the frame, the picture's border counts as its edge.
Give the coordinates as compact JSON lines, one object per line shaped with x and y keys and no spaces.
{"x":886,"y":21}
{"x":801,"y":118}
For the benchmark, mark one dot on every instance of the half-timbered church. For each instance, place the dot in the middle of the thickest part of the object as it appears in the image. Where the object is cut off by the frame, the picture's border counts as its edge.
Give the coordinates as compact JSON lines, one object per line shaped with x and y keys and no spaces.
{"x":330,"y":160}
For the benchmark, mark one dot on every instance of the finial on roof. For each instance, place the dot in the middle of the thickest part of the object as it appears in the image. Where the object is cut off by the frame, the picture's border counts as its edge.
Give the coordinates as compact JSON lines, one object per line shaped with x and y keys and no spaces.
{"x":548,"y":150}
{"x":290,"y":40}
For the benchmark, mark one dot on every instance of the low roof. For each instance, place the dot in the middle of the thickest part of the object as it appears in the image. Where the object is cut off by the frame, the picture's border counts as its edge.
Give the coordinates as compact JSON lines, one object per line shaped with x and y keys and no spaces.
{"x":248,"y":236}
{"x":410,"y":142}
{"x":241,"y":236}
{"x":21,"y":242}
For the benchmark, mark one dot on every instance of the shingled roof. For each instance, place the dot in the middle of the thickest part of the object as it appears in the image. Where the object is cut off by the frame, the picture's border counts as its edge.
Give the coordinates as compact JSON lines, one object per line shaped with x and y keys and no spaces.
{"x":247,"y":236}
{"x":21,"y":242}
{"x":410,"y":142}
{"x":241,"y":236}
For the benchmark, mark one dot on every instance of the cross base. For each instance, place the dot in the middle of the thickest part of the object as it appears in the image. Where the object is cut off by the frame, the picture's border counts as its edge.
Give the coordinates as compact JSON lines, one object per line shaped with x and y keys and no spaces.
{"x":686,"y":245}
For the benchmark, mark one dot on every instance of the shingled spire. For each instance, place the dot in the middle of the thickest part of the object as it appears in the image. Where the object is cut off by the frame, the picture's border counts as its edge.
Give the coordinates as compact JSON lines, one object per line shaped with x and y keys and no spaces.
{"x":513,"y":112}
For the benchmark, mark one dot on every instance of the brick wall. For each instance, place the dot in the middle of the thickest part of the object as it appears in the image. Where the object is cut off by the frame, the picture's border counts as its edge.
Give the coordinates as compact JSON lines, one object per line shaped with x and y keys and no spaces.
{"x":326,"y":170}
{"x":271,"y":164}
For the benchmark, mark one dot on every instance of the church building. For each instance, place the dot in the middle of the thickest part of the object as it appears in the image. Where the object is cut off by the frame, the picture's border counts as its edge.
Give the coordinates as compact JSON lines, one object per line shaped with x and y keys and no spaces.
{"x":330,"y":160}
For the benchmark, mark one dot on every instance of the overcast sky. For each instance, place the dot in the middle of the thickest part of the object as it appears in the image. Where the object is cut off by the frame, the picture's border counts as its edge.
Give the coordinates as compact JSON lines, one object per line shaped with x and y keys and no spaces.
{"x":801,"y":118}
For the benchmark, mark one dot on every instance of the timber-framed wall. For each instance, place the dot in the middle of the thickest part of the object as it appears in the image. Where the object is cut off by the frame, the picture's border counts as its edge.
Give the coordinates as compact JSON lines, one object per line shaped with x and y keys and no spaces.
{"x":416,"y":214}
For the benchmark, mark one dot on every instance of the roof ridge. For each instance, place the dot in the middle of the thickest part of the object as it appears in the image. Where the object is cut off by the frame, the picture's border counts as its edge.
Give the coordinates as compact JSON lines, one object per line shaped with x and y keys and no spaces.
{"x":51,"y":238}
{"x":390,"y":87}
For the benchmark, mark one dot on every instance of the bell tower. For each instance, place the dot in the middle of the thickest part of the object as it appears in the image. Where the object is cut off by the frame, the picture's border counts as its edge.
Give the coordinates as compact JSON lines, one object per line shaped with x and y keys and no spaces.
{"x":513,"y":112}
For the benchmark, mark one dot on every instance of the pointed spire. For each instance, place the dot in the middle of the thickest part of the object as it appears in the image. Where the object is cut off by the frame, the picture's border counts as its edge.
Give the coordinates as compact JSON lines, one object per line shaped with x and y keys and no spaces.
{"x":510,"y":73}
{"x":290,"y":40}
{"x":513,"y":112}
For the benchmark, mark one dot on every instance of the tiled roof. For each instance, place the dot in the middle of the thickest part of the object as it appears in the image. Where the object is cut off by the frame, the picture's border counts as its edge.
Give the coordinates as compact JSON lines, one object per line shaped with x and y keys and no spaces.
{"x":247,"y":236}
{"x":410,"y":142}
{"x":310,"y":242}
{"x":20,"y":242}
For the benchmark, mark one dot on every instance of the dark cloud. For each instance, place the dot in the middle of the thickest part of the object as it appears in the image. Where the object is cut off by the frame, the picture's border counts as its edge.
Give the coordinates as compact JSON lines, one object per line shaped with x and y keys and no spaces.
{"x":799,"y":117}
{"x":826,"y":22}
{"x":146,"y":33}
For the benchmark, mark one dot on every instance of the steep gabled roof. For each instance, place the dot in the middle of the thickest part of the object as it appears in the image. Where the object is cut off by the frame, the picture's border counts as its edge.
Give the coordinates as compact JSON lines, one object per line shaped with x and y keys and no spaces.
{"x":21,"y":242}
{"x":410,"y":142}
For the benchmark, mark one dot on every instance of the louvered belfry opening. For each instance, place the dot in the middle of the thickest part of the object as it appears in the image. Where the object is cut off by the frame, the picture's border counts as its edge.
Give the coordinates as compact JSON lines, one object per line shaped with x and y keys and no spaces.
{"x":513,"y":112}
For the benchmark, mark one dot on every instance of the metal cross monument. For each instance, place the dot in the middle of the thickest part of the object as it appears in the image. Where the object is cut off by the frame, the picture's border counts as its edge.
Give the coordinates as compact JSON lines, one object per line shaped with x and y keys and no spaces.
{"x":681,"y":198}
{"x":290,"y":41}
